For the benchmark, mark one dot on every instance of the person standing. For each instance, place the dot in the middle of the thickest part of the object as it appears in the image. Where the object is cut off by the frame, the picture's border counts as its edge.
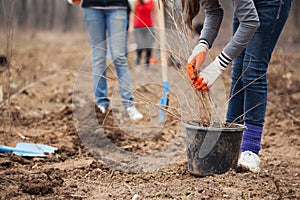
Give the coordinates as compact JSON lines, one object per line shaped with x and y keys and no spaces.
{"x":106,"y":22}
{"x":248,"y":94}
{"x":257,"y":25}
{"x":144,"y":13}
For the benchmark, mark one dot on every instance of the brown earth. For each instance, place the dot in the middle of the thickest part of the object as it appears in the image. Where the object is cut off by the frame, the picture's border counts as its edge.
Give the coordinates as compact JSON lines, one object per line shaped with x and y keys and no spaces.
{"x":43,"y":69}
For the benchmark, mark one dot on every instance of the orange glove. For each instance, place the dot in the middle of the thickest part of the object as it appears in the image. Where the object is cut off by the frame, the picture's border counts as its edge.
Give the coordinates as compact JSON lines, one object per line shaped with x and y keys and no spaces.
{"x":207,"y":77}
{"x":201,"y":84}
{"x":196,"y":60}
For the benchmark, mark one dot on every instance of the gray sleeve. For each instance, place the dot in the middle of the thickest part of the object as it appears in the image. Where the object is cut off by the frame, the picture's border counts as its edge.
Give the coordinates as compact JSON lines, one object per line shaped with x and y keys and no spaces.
{"x":249,"y":22}
{"x":212,"y":21}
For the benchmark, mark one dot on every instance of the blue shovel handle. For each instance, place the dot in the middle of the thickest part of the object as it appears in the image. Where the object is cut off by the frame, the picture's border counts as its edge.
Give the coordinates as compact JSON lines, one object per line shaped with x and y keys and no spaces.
{"x":164,"y":100}
{"x":5,"y":149}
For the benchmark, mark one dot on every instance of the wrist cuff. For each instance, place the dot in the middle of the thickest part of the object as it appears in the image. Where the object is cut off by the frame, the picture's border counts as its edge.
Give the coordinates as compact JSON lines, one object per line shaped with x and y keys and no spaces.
{"x":224,"y":59}
{"x":202,"y":41}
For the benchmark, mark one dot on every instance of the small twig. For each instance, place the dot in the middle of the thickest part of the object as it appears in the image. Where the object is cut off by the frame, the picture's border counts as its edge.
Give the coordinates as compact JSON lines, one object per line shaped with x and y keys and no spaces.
{"x":22,"y":136}
{"x":112,"y":174}
{"x":128,"y":187}
{"x":171,"y":123}
{"x":135,"y":197}
{"x":34,"y":166}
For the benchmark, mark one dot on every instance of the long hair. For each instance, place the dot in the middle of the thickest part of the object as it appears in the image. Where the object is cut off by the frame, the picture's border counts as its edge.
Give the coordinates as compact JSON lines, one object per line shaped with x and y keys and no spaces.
{"x":191,"y":9}
{"x":141,"y":2}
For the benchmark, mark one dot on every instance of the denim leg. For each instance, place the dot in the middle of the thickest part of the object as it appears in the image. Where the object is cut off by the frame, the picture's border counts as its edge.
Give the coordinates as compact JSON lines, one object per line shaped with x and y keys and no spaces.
{"x":236,"y":95}
{"x":97,"y":32}
{"x":117,"y":38}
{"x":273,"y":15}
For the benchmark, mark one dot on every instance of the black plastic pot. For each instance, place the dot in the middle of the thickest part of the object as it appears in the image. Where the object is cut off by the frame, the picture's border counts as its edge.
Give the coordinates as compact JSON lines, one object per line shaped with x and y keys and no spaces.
{"x":212,"y":150}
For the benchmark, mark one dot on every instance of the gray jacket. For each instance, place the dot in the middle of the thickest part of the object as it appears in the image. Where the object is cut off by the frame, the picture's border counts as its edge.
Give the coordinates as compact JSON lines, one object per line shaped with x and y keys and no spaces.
{"x":247,"y":16}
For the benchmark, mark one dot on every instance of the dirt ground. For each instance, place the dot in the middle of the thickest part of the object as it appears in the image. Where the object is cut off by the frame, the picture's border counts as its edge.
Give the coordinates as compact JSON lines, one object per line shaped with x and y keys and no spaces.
{"x":44,"y":67}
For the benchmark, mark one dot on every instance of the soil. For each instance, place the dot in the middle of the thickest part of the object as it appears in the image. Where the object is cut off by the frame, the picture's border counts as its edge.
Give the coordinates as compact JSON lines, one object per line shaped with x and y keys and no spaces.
{"x":43,"y":71}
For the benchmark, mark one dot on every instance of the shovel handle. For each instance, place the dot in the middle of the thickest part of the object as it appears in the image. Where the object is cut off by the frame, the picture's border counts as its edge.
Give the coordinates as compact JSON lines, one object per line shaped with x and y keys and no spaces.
{"x":162,"y":38}
{"x":6,"y":149}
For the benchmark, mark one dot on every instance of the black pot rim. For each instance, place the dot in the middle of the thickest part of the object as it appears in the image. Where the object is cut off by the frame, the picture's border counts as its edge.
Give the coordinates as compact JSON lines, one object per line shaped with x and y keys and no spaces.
{"x":236,"y":128}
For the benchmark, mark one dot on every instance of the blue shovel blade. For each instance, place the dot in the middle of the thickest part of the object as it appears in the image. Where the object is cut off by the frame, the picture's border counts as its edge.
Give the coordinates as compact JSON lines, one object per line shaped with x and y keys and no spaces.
{"x":36,"y":147}
{"x":22,"y":152}
{"x":28,"y":149}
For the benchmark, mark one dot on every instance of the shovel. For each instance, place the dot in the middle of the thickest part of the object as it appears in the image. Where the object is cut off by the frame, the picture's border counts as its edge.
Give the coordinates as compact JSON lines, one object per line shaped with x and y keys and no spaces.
{"x":164,"y":64}
{"x":28,"y":149}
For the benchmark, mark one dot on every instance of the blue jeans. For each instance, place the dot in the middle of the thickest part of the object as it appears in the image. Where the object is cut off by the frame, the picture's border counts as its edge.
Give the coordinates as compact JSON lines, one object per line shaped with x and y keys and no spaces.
{"x":249,"y":87}
{"x":109,"y":25}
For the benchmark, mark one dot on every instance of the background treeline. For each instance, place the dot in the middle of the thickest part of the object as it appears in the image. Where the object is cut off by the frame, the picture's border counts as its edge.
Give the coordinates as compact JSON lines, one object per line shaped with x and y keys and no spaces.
{"x":59,"y":15}
{"x":41,"y":14}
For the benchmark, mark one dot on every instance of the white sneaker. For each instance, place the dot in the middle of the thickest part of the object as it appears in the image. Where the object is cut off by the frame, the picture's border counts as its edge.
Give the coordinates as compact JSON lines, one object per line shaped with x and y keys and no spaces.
{"x":249,"y":161}
{"x":102,"y":109}
{"x":133,"y":113}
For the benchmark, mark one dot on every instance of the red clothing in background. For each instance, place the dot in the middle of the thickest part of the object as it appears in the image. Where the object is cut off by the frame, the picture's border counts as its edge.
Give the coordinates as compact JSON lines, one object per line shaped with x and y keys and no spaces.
{"x":143,"y":16}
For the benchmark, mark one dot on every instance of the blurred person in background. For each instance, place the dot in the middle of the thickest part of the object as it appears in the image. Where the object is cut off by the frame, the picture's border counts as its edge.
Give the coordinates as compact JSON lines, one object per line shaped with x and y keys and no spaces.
{"x":143,"y":19}
{"x":256,"y":26}
{"x":107,"y":22}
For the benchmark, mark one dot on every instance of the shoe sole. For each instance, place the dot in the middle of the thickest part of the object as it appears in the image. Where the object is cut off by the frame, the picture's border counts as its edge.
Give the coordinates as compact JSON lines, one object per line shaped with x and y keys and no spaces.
{"x":243,"y":168}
